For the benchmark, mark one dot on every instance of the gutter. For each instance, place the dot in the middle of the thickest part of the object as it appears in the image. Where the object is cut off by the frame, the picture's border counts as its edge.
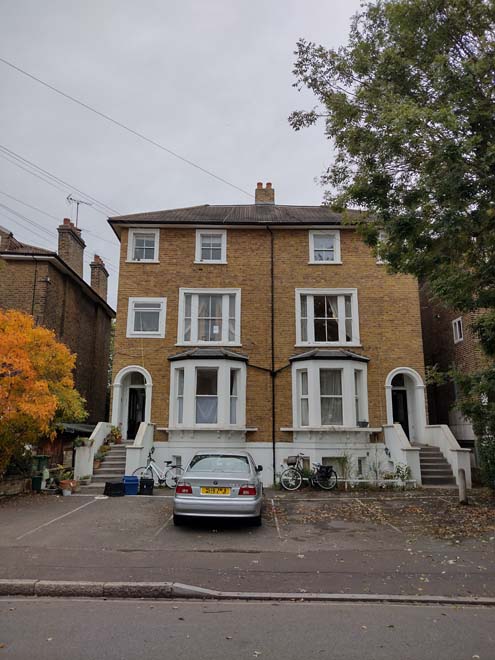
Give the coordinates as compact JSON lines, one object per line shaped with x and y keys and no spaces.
{"x":272,"y":327}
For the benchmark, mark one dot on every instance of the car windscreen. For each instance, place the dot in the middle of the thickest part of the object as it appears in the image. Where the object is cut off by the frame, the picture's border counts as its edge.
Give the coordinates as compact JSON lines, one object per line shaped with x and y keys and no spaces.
{"x":219,"y":463}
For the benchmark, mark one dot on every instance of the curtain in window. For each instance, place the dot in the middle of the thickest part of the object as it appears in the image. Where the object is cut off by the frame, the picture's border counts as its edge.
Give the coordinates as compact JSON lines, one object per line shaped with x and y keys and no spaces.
{"x":324,"y":246}
{"x":206,"y":410}
{"x":210,"y":317}
{"x":331,"y":396}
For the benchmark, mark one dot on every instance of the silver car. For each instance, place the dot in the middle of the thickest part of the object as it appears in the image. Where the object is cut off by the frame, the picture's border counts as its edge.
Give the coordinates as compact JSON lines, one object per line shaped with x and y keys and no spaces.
{"x":219,"y":484}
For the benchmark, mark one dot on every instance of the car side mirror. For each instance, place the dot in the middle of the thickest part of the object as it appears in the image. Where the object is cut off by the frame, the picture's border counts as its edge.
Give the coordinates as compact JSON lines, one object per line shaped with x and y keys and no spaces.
{"x":259,"y":468}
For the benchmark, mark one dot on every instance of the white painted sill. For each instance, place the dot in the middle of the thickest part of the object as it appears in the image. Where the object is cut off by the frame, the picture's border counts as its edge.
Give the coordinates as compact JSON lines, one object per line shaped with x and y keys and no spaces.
{"x":205,"y":344}
{"x":142,"y":261}
{"x":325,"y":263}
{"x":327,"y":345}
{"x":210,"y":263}
{"x":243,"y":429}
{"x":333,"y":429}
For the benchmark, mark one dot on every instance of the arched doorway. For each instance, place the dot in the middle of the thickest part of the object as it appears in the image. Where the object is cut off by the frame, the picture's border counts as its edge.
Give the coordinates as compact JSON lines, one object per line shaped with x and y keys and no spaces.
{"x":405,"y":394}
{"x":131,"y":403}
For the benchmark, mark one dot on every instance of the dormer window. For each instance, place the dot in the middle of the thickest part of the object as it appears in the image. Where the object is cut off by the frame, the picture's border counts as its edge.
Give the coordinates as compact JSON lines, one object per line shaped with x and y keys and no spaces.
{"x":211,"y":246}
{"x":143,"y":245}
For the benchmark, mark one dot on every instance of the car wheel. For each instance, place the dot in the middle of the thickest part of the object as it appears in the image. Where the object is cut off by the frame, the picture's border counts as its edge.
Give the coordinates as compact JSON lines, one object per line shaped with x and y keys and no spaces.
{"x":257,"y":521}
{"x":178,"y":520}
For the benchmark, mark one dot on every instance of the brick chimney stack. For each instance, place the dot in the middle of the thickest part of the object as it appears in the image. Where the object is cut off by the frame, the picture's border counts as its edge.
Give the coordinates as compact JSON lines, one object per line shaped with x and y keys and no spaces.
{"x":71,"y":246}
{"x":264,"y":195}
{"x":99,"y":277}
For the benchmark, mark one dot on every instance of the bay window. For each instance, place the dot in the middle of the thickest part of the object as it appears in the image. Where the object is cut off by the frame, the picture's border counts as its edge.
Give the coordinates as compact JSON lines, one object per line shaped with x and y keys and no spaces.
{"x":207,"y":393}
{"x":328,"y":392}
{"x":327,"y":316}
{"x":209,"y":316}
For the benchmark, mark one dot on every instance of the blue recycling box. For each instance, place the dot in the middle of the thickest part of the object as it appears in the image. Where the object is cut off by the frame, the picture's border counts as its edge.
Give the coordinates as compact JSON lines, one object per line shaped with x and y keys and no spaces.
{"x":131,"y":485}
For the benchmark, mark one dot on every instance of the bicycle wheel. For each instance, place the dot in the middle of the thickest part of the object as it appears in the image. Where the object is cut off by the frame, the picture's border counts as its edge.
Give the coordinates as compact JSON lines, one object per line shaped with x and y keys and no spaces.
{"x":291,"y":479}
{"x":144,"y":472}
{"x":172,"y":476}
{"x":326,"y":480}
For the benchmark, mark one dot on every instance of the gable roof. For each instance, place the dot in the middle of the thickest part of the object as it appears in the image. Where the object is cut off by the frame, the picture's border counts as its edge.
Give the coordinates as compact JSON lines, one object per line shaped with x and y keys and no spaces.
{"x":243,"y":214}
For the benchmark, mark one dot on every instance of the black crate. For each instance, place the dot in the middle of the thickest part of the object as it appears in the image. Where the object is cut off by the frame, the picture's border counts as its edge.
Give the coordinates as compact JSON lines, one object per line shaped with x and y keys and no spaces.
{"x":114,"y":488}
{"x":146,"y":486}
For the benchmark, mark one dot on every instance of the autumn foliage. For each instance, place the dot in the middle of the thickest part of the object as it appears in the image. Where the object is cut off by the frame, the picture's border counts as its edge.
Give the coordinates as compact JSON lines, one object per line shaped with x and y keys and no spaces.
{"x":36,"y":384}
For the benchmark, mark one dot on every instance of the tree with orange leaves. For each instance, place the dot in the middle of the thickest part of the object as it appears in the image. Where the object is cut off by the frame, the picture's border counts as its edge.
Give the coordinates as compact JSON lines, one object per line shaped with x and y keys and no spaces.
{"x":36,"y":384}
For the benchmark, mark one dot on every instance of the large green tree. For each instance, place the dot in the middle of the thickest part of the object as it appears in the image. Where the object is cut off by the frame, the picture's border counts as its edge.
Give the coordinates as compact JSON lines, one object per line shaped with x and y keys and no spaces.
{"x":409,"y":106}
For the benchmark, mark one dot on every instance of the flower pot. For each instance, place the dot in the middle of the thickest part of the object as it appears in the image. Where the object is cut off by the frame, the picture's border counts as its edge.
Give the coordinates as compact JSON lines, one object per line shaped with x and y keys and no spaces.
{"x":96,"y":465}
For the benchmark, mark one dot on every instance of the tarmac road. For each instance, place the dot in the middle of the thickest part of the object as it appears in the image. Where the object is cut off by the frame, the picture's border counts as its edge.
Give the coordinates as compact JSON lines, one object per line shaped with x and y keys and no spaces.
{"x":57,"y":629}
{"x":329,"y":546}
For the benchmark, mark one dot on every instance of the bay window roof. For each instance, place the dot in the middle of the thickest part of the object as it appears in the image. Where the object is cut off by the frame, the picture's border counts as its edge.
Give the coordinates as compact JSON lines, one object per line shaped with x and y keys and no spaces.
{"x":208,"y":354}
{"x":329,"y":354}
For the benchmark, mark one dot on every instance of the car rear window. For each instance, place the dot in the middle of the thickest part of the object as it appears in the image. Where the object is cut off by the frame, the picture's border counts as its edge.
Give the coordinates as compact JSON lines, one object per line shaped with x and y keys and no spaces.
{"x":219,"y":463}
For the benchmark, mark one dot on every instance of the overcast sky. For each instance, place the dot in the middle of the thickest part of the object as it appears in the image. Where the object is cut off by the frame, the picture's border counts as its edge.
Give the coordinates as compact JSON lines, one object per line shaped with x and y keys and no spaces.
{"x":208,"y":79}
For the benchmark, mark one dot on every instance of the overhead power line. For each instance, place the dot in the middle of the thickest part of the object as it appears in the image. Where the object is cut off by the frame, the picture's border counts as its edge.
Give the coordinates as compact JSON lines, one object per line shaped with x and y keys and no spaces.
{"x":51,"y":233}
{"x":123,"y":126}
{"x":50,"y":215}
{"x":55,"y":180}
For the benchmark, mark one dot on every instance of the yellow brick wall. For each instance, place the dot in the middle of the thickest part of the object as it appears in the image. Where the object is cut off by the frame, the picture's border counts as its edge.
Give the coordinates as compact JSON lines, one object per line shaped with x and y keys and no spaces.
{"x":389,"y":313}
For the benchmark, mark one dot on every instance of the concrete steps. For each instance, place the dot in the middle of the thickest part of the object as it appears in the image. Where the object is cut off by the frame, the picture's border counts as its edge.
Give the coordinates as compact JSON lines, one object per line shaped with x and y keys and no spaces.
{"x":435,"y":470}
{"x":112,"y":467}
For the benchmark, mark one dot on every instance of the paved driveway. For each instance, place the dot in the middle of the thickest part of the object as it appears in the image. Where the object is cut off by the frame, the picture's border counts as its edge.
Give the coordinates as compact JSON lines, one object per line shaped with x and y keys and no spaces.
{"x":318,"y":543}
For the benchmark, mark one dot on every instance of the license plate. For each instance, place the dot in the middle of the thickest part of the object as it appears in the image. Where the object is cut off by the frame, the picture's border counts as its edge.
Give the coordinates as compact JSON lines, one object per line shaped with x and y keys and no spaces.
{"x":215,"y":491}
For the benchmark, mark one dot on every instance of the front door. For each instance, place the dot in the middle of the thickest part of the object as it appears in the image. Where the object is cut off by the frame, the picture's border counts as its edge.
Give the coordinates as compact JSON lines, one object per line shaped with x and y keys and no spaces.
{"x":137,"y":397}
{"x":399,"y":407}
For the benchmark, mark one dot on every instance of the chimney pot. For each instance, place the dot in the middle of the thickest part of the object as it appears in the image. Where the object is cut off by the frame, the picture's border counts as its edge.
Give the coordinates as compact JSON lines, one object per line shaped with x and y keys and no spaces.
{"x":99,"y":277}
{"x":264,"y":195}
{"x":71,"y":246}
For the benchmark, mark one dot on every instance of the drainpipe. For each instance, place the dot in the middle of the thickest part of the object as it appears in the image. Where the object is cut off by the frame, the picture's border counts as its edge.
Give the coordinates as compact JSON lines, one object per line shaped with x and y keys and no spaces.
{"x":272,"y":373}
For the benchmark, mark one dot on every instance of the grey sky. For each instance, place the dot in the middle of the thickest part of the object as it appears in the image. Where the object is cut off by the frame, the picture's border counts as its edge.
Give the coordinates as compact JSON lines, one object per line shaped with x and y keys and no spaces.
{"x":210,"y":80}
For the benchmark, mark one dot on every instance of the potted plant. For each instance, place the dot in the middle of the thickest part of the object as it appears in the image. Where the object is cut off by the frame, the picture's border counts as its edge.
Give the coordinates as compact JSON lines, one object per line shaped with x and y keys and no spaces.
{"x":97,"y":460}
{"x":114,"y":435}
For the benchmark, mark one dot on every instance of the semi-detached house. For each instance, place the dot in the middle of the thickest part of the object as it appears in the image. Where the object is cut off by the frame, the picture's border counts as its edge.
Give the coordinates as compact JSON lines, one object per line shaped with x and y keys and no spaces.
{"x":268,"y":327}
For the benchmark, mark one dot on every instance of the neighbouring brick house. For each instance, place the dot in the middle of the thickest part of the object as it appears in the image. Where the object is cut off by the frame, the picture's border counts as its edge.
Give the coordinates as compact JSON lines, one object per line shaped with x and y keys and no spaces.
{"x":268,"y":327}
{"x":449,"y":341}
{"x":50,"y":286}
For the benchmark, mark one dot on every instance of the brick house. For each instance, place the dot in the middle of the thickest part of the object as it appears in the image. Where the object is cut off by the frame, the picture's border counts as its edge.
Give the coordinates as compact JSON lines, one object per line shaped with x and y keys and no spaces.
{"x":268,"y":327}
{"x":449,"y":341}
{"x":50,"y":286}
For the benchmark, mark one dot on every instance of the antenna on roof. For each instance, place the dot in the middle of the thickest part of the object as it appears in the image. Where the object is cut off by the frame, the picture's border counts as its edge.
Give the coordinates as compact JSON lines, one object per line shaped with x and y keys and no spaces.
{"x":73,"y":200}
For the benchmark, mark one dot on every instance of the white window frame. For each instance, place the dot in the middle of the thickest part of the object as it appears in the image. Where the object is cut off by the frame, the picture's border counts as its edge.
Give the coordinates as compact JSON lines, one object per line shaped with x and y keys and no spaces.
{"x":160,"y":334}
{"x":130,"y":244}
{"x":194,"y":317}
{"x":341,"y":309}
{"x":347,"y":368}
{"x":208,"y":232}
{"x":458,"y":330}
{"x":223,"y":368}
{"x":336,"y":253}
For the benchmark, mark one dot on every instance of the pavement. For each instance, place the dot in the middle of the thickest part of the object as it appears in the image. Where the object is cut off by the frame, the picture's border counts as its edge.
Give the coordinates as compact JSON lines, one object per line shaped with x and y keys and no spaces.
{"x":57,"y":629}
{"x":419,"y":543}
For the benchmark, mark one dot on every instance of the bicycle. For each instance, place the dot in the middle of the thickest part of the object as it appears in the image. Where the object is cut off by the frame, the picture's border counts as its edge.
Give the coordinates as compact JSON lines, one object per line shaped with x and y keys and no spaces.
{"x":168,"y":477}
{"x":322,"y":476}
